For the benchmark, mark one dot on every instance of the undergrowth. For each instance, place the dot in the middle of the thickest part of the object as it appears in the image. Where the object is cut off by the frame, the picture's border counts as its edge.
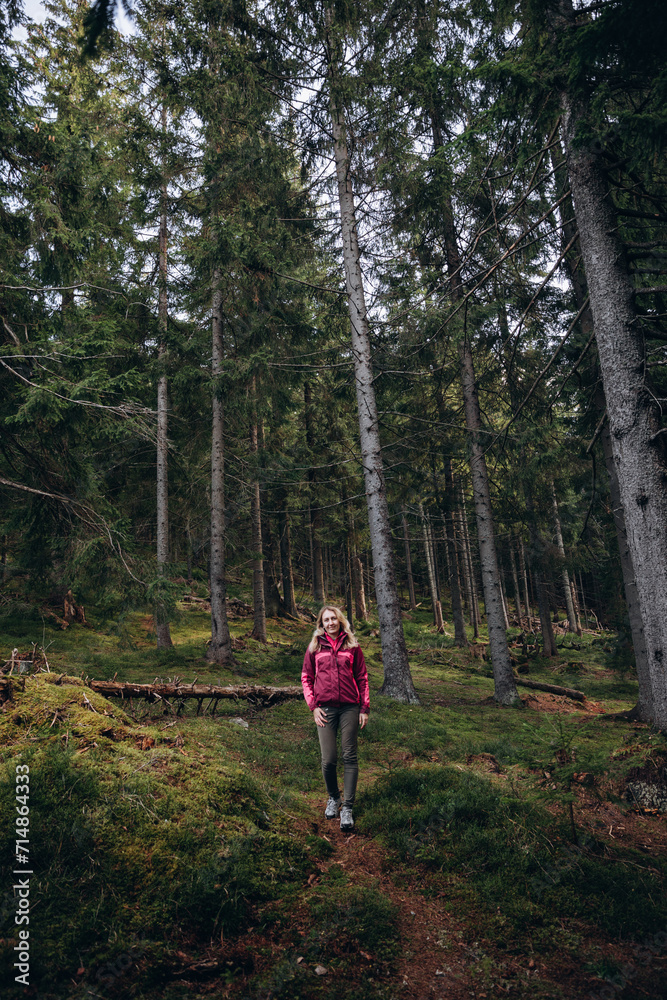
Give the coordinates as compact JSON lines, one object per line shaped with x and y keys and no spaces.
{"x":159,"y":842}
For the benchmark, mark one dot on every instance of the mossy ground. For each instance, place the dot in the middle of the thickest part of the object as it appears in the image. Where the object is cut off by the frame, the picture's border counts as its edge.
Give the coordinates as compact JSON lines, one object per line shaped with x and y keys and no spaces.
{"x":187,"y":856}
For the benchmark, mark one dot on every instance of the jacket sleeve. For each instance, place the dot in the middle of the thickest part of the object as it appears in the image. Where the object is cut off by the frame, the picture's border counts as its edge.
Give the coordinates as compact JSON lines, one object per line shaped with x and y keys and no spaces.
{"x":361,"y":677}
{"x":308,"y":680}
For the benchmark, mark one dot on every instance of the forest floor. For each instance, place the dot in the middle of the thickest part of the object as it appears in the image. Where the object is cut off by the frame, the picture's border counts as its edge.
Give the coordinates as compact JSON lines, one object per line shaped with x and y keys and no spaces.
{"x":495,"y":851}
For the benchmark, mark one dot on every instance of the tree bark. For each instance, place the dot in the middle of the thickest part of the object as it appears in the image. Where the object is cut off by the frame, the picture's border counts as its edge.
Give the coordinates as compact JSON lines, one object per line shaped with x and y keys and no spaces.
{"x":355,"y":567}
{"x":259,"y":607}
{"x":505,"y":690}
{"x":526,"y":590}
{"x":579,"y":286}
{"x":260,"y":694}
{"x":397,"y":677}
{"x":573,"y":624}
{"x":348,"y":581}
{"x":634,"y":419}
{"x":435,"y":603}
{"x":286,"y":569}
{"x":314,"y":511}
{"x":537,"y":545}
{"x":274,"y":606}
{"x":572,"y":693}
{"x":467,"y":570}
{"x":220,"y":647}
{"x":460,"y":637}
{"x":162,"y":631}
{"x":502,"y":595}
{"x":515,"y":580}
{"x":645,"y":692}
{"x":408,"y":561}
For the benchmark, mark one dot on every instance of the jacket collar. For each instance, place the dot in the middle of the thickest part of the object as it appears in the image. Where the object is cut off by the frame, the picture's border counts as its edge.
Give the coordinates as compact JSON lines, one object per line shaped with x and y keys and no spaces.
{"x":335,"y":643}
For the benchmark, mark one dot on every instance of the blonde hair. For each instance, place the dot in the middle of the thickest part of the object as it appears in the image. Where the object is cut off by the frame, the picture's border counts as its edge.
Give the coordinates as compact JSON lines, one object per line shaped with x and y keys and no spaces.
{"x":349,"y":642}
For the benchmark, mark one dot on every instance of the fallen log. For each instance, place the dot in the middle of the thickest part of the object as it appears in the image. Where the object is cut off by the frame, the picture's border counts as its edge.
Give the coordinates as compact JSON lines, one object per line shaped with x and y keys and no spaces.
{"x":256,"y":694}
{"x":552,"y":689}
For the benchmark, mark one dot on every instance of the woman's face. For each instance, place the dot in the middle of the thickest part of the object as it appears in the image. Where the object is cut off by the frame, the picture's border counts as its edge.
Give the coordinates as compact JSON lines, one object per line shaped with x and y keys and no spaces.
{"x":330,"y":623}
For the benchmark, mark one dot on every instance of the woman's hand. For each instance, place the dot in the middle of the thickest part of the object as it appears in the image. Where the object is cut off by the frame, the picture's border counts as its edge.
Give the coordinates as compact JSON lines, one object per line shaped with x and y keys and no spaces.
{"x":320,"y":717}
{"x":363,"y":719}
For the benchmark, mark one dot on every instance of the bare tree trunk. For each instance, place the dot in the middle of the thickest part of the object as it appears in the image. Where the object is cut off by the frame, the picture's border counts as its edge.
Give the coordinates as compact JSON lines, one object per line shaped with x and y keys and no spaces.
{"x":408,"y":561}
{"x":460,"y":637}
{"x":573,"y":624}
{"x":435,"y":603}
{"x":515,"y":580}
{"x":161,"y":625}
{"x":328,"y":576}
{"x":274,"y":606}
{"x":348,"y":580}
{"x":637,"y":438}
{"x":645,"y":693}
{"x":583,"y":599}
{"x":220,"y":648}
{"x":355,"y":567}
{"x":504,"y":687}
{"x":577,"y":278}
{"x":526,"y":590}
{"x":505,"y":615}
{"x":477,"y":617}
{"x":315,"y":512}
{"x":537,"y":545}
{"x":259,"y":608}
{"x":286,"y":570}
{"x":468,"y":571}
{"x":434,"y":555}
{"x":397,"y":677}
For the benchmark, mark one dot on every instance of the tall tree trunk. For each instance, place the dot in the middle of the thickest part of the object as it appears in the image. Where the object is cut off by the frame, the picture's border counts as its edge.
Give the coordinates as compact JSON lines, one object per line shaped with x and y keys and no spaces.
{"x":273,"y":602}
{"x":315,"y":512}
{"x":579,"y":286}
{"x":355,"y":568}
{"x":162,"y":631}
{"x":537,"y":560}
{"x":505,"y":690}
{"x":259,"y":607}
{"x":504,"y":687}
{"x":573,"y":624}
{"x":435,"y":603}
{"x":645,"y":693}
{"x":286,"y":569}
{"x":582,"y":597}
{"x":348,"y":579}
{"x":502,"y":594}
{"x":468,"y":574}
{"x":408,"y":561}
{"x":460,"y":637}
{"x":526,"y":590}
{"x":397,"y":677}
{"x":515,"y":581}
{"x":220,"y":647}
{"x":434,"y":555}
{"x":638,"y":441}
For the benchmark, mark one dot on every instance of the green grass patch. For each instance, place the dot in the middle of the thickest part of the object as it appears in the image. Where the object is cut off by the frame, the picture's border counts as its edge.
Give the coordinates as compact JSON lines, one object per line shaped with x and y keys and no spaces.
{"x":508,"y":859}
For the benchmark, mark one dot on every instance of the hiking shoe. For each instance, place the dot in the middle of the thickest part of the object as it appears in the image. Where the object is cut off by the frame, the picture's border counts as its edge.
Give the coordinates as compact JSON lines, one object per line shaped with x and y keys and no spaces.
{"x":346,"y":821}
{"x":331,"y":811}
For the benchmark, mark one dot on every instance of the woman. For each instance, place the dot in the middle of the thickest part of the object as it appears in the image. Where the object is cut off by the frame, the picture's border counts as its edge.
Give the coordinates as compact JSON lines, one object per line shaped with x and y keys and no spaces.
{"x":335,"y":686}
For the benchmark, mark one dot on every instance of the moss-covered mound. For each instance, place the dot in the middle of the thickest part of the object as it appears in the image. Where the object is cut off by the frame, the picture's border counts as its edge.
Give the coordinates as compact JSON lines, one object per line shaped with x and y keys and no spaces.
{"x":137,"y":843}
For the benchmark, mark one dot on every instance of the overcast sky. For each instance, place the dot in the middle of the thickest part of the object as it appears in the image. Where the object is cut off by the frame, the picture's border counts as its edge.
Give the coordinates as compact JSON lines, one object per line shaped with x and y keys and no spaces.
{"x":36,"y":12}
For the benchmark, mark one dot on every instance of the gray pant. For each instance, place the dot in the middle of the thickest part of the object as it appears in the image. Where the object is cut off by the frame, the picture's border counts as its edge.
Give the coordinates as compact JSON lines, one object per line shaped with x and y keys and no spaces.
{"x":345,"y":718}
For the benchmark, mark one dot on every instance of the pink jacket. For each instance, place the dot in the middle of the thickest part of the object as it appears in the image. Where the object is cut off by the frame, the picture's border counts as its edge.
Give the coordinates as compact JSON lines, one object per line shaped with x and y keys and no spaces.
{"x":335,"y":676}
